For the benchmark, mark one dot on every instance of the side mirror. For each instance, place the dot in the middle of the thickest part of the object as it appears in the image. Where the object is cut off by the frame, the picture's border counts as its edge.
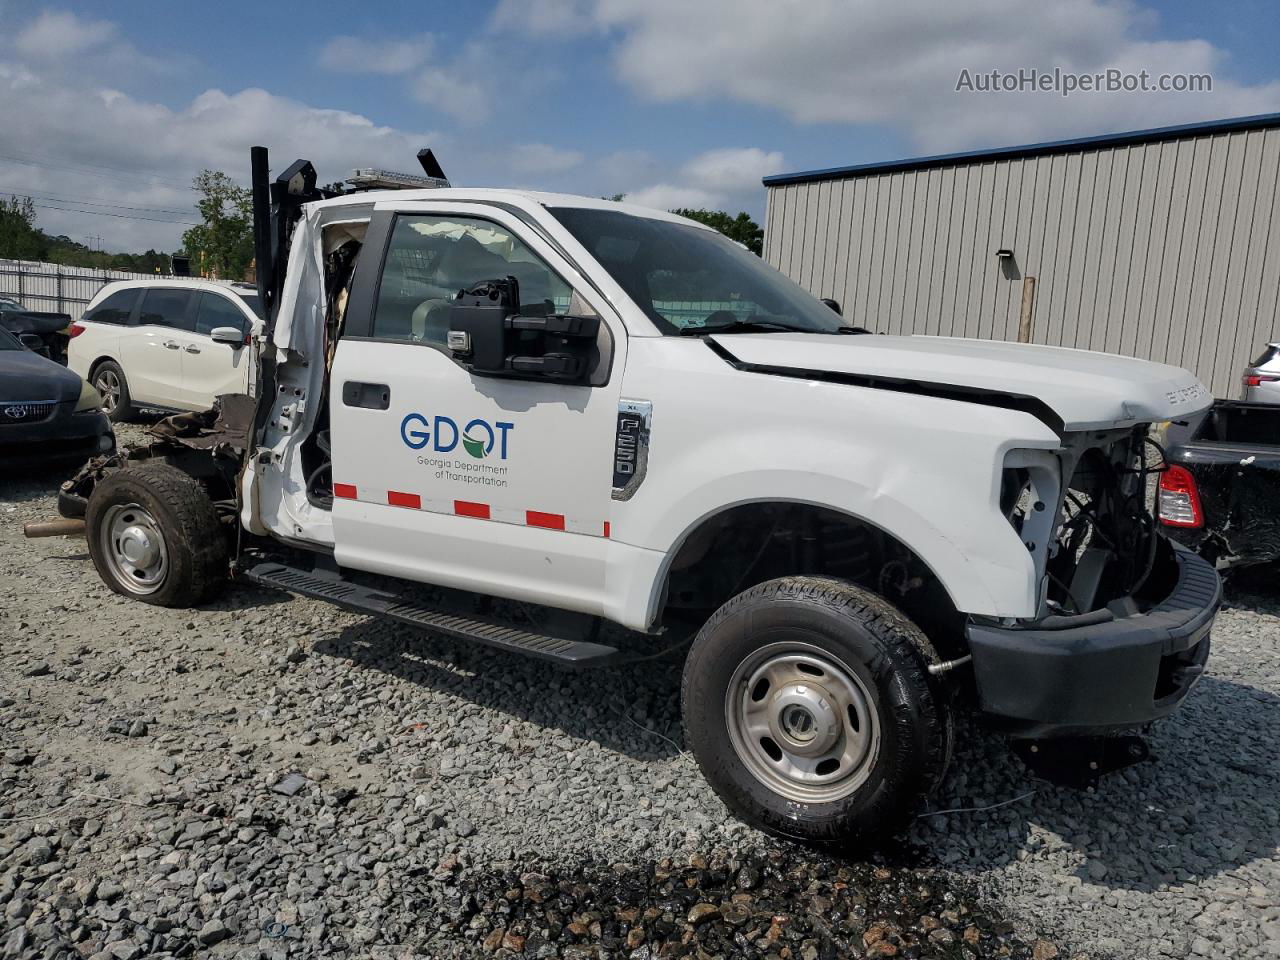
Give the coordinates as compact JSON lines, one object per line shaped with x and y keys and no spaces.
{"x":231,"y":336}
{"x":488,"y":337}
{"x":833,"y":304}
{"x":32,"y":342}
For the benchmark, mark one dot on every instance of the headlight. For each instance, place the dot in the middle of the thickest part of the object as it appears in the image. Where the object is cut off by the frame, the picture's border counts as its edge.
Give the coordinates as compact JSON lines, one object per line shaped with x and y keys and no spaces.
{"x":90,"y":401}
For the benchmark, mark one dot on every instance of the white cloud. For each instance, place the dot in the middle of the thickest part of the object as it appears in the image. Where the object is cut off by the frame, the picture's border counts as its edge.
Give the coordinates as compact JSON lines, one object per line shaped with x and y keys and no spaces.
{"x":60,"y":42}
{"x":459,"y":85}
{"x":723,"y":179}
{"x":542,"y":18}
{"x":450,"y":92}
{"x":536,"y":158}
{"x":102,"y":146}
{"x":866,"y":62}
{"x":60,"y":34}
{"x":97,"y":147}
{"x":348,"y":54}
{"x":667,"y":196}
{"x":733,"y":168}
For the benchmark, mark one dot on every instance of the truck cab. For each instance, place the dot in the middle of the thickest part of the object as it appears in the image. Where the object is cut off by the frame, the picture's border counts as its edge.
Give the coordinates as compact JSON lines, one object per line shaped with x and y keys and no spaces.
{"x":619,"y":414}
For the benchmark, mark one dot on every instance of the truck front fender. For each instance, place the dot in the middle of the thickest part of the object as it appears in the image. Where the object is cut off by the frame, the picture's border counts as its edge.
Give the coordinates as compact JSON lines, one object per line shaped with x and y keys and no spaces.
{"x":926,"y":470}
{"x":975,"y":584}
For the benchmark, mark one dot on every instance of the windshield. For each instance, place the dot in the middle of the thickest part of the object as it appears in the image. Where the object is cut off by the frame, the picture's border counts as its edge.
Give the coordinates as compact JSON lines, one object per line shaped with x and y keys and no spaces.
{"x":8,"y":341}
{"x":691,"y":280}
{"x":10,"y":302}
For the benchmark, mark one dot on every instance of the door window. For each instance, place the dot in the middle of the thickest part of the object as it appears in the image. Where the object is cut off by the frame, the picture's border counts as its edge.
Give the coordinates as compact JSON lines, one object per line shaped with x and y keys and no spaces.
{"x":431,"y":258}
{"x":116,"y":308}
{"x":215,"y":310}
{"x":166,"y":308}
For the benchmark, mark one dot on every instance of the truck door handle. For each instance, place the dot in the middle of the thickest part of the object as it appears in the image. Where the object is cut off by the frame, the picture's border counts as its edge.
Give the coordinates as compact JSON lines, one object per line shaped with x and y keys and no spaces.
{"x":374,"y":396}
{"x":171,"y":345}
{"x":192,"y":348}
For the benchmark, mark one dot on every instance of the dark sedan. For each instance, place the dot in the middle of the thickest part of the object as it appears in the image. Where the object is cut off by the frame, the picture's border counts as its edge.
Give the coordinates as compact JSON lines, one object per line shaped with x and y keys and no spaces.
{"x":47,"y":413}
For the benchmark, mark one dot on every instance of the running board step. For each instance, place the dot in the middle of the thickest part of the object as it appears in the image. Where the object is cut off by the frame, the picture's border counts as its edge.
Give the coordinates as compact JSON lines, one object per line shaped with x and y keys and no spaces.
{"x":354,"y":596}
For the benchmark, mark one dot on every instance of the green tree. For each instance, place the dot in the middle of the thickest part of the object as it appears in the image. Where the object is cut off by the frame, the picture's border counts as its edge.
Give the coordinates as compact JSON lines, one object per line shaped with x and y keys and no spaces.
{"x":222,"y":245}
{"x":19,"y":238}
{"x":741,"y":228}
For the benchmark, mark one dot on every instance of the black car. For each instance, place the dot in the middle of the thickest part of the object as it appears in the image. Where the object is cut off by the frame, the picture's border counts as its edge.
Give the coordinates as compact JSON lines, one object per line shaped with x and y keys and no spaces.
{"x":45,"y":333}
{"x":47,"y":413}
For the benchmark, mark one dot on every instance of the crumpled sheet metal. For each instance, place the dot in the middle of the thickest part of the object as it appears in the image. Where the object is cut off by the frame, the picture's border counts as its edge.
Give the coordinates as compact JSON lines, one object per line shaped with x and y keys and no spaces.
{"x":226,"y":426}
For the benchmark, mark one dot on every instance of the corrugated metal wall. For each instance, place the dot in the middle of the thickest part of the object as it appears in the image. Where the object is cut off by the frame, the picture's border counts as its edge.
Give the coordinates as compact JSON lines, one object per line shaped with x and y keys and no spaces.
{"x":1168,"y":251}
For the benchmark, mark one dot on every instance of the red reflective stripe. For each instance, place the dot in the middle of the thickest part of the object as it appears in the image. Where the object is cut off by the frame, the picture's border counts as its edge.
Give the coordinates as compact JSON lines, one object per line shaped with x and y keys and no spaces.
{"x":465,"y":508}
{"x":606,"y":529}
{"x":344,"y":491}
{"x":397,"y":499}
{"x":552,"y":521}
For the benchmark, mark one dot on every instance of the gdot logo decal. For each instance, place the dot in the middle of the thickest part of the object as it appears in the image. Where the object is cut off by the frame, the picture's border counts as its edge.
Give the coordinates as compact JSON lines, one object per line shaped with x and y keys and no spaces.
{"x":479,"y":437}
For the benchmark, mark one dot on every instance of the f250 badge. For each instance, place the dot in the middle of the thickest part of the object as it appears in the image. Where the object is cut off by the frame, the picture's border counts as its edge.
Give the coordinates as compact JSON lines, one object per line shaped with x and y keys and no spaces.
{"x":631,"y":447}
{"x":479,"y":437}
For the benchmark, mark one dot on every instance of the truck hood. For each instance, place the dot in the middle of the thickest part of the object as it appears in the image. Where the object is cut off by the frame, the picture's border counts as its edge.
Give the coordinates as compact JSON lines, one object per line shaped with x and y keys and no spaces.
{"x":1085,"y":390}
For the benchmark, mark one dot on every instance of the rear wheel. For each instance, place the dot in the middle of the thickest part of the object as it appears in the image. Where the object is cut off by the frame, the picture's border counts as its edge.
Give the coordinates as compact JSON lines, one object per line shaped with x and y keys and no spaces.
{"x":154,"y":536}
{"x":109,"y":380}
{"x":810,"y":709}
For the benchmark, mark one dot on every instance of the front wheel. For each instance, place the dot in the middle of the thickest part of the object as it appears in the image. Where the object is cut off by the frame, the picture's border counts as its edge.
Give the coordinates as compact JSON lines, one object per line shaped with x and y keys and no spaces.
{"x":810,"y":709}
{"x":109,"y":380}
{"x":154,"y":536}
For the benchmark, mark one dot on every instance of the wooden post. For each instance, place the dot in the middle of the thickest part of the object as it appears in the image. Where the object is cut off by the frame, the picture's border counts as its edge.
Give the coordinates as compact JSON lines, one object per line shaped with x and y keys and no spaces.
{"x":1024,"y":316}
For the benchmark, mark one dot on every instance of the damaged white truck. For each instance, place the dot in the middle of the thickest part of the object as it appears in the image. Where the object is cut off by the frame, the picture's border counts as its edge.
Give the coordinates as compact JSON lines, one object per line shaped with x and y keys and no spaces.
{"x":615,"y":416}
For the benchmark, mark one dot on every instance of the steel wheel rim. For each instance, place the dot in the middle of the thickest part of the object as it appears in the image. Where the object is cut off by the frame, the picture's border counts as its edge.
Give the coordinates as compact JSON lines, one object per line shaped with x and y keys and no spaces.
{"x":134,"y":548}
{"x":802,"y":722}
{"x":108,"y":386}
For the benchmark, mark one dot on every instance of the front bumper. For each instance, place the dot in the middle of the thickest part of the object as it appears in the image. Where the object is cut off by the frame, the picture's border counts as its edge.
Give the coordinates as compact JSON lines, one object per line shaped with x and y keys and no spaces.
{"x":64,"y":438}
{"x":1099,"y":677}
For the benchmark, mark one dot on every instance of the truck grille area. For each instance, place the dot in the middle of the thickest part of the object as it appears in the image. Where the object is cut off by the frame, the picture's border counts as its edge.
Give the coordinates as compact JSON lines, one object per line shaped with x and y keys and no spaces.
{"x":1104,"y":546}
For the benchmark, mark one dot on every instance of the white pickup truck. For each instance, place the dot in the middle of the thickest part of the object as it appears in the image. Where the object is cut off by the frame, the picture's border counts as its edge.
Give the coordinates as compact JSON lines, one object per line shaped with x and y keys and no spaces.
{"x":615,"y":412}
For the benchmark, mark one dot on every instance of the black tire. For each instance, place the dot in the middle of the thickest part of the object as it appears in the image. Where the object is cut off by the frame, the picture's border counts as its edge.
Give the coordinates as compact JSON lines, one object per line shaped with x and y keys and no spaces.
{"x":888,"y":656}
{"x":109,"y":380}
{"x":146,"y":500}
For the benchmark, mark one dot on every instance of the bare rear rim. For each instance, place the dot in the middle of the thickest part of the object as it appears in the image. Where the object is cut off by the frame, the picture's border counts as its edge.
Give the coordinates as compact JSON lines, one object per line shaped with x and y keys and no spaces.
{"x":133,"y":548}
{"x":107,"y":383}
{"x":802,"y":722}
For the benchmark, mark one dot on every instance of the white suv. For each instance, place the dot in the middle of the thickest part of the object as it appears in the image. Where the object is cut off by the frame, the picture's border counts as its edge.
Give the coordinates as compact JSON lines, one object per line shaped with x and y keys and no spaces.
{"x":165,"y":344}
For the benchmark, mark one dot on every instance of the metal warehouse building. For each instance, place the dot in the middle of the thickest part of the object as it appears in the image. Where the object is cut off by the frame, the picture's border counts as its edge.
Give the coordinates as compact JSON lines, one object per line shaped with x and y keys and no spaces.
{"x":1163,"y":244}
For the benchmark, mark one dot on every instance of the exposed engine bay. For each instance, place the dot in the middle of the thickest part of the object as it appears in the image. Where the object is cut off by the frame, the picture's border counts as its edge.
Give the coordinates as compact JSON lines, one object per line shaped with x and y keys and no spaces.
{"x":1098,"y":534}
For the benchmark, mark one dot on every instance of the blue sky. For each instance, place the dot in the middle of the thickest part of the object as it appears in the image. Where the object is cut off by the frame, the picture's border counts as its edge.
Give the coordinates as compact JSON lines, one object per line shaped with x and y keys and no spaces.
{"x":105,"y":107}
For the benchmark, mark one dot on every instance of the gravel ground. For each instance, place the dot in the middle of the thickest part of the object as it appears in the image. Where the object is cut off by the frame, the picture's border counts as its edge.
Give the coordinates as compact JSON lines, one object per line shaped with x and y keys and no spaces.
{"x":271,"y":776}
